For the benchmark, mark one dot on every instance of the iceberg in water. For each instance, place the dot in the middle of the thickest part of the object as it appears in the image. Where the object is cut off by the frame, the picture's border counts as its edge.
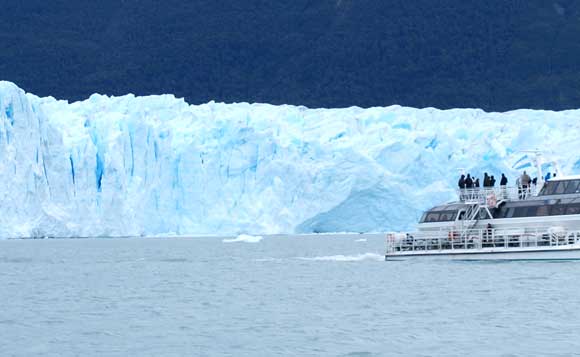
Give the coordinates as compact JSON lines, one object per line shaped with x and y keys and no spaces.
{"x":116,"y":166}
{"x":244,"y":238}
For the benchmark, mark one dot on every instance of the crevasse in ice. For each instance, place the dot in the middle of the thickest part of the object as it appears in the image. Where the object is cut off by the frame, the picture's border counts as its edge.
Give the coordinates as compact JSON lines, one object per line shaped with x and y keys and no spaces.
{"x":116,"y":166}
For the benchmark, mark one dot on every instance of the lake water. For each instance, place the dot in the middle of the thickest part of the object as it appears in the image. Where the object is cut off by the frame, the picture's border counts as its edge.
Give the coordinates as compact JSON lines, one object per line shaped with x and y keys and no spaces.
{"x":281,"y":296}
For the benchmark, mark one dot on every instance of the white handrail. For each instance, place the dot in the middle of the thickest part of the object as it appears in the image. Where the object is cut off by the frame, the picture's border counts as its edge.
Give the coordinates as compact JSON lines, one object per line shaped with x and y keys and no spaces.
{"x":490,"y":195}
{"x":480,"y":238}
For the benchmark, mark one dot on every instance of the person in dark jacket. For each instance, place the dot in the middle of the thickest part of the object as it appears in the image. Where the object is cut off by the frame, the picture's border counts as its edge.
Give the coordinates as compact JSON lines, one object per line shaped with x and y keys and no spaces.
{"x":488,"y":234}
{"x":476,"y":183}
{"x":468,"y":182}
{"x":491,"y":181}
{"x":503,"y":181}
{"x":485,"y":180}
{"x":461,"y":182}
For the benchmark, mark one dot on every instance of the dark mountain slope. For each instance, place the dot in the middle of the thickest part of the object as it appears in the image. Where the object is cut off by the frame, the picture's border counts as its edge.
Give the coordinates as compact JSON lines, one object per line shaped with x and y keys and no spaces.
{"x":496,"y":55}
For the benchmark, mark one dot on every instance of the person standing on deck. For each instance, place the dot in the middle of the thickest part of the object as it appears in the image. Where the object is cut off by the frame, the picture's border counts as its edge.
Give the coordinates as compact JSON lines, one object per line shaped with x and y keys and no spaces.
{"x":502,"y":184}
{"x":485,"y":180}
{"x":468,"y":182}
{"x":461,"y":182}
{"x":525,"y":181}
{"x":503,"y":181}
{"x":468,"y":187}
{"x":461,"y":185}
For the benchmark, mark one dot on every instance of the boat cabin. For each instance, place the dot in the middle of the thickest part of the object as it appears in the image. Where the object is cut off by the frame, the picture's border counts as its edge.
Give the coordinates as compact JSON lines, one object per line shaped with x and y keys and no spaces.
{"x":555,"y":198}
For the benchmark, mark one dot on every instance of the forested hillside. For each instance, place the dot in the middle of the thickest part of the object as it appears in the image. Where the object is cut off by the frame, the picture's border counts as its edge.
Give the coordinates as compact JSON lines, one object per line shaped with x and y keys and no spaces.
{"x":496,"y":55}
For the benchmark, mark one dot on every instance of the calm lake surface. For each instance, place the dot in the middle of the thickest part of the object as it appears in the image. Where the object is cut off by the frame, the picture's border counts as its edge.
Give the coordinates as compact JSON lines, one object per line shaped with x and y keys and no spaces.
{"x":281,"y":296}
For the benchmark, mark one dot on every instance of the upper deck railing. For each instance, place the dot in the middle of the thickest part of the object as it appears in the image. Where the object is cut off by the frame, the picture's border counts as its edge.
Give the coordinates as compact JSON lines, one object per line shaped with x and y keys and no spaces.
{"x":490,"y":196}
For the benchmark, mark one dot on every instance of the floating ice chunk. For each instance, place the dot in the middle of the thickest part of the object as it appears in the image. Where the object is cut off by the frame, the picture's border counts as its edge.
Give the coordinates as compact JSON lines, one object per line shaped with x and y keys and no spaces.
{"x":361,"y":240}
{"x":244,"y":238}
{"x":269,"y":259}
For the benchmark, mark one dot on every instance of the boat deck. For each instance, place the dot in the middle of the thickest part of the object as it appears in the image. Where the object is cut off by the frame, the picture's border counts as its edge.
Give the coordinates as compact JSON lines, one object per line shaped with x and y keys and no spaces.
{"x":481,"y":242}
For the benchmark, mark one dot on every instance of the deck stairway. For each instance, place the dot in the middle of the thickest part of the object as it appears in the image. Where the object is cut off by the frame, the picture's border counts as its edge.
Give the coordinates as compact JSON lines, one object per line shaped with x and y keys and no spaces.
{"x":487,"y":198}
{"x":470,"y":219}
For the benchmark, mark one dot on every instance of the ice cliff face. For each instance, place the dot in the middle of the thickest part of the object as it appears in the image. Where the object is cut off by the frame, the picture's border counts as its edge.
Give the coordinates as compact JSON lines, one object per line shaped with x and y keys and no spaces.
{"x":156,"y":165}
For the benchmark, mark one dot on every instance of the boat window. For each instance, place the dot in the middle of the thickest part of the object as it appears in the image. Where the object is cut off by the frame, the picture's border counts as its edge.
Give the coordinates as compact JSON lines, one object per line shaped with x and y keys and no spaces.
{"x":543,"y":211}
{"x":520,"y":212}
{"x":447,"y":216}
{"x":444,"y":216}
{"x":432,"y":217}
{"x":573,"y":209}
{"x":549,"y":188}
{"x":573,"y":187}
{"x":545,"y":188}
{"x":535,"y":211}
{"x":483,"y":214}
{"x":510,"y":213}
{"x":500,"y":213}
{"x":558,"y":210}
{"x":561,"y":188}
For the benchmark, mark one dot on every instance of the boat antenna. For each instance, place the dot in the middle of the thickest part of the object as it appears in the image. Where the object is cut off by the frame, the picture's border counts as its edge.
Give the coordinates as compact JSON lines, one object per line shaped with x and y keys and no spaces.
{"x":537,"y":160}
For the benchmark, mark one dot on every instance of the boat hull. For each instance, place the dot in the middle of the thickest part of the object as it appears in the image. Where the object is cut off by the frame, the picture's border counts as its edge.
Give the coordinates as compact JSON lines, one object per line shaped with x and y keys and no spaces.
{"x":552,"y":253}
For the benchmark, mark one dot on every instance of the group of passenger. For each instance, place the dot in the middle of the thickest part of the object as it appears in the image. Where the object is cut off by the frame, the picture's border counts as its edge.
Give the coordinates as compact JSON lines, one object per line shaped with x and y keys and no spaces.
{"x":488,"y":181}
{"x":524,"y":182}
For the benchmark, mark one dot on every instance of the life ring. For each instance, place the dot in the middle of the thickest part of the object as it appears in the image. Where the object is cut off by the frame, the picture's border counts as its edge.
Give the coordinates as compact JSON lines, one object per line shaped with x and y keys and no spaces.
{"x":491,"y":200}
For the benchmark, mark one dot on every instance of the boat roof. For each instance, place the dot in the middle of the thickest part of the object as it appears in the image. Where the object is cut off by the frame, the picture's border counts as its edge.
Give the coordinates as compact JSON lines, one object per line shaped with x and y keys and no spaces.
{"x":565,"y":178}
{"x":448,"y":207}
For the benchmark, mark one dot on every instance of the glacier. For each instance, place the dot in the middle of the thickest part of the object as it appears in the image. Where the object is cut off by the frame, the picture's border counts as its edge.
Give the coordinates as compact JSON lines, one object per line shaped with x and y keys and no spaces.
{"x":155,"y":165}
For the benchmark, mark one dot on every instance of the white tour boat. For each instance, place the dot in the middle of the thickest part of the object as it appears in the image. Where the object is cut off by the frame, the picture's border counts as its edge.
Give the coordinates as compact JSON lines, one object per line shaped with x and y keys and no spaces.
{"x":540,"y":222}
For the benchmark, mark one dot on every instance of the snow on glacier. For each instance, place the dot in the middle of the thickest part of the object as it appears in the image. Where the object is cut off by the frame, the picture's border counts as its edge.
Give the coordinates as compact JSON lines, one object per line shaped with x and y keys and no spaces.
{"x":115,"y":166}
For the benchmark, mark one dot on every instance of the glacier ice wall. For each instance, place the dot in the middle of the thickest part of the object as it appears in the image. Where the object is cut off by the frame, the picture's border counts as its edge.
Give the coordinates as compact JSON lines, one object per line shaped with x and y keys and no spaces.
{"x":113,"y":166}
